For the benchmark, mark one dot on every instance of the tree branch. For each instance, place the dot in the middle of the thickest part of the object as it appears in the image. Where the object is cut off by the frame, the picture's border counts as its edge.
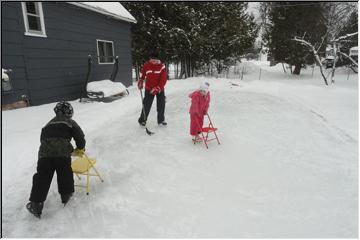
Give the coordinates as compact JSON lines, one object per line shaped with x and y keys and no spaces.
{"x":316,"y":55}
{"x":344,"y":37}
{"x":348,"y":57}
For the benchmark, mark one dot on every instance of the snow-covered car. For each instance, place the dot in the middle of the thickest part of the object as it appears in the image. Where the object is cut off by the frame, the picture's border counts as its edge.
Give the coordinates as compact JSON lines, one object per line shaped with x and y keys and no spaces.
{"x":353,"y":53}
{"x":329,"y":61}
{"x":329,"y":57}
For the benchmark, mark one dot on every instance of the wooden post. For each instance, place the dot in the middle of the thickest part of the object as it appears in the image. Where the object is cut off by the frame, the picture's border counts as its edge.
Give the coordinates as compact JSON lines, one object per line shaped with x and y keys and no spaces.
{"x":260,"y":74}
{"x":312,"y":73}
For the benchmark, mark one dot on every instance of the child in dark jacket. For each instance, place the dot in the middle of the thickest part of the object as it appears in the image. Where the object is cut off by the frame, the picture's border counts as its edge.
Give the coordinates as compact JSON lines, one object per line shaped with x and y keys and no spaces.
{"x":200,"y":100}
{"x":55,"y":155}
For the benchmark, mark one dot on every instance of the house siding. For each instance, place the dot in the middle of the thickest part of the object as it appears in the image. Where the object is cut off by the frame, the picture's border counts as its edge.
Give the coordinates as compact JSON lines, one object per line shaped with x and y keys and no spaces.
{"x":12,"y":56}
{"x":54,"y":68}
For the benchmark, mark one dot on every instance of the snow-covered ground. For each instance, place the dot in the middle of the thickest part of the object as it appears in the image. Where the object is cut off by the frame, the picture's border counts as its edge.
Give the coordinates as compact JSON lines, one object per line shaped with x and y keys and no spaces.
{"x":287,"y":166}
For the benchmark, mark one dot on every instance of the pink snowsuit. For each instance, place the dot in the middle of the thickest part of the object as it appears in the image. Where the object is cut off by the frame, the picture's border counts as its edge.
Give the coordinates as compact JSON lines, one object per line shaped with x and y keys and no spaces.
{"x":199,"y":107}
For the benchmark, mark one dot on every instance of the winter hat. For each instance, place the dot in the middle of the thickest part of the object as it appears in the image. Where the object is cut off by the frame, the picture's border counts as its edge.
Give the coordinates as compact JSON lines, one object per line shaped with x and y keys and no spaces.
{"x":64,"y":109}
{"x":204,"y":86}
{"x":154,"y":55}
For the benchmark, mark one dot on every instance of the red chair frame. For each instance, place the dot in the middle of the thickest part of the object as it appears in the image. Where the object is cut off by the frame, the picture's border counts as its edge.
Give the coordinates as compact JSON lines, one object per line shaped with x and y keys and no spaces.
{"x":205,"y":133}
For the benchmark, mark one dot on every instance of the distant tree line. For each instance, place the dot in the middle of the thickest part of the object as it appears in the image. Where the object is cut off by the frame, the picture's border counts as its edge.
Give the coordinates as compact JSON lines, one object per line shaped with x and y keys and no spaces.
{"x":195,"y":36}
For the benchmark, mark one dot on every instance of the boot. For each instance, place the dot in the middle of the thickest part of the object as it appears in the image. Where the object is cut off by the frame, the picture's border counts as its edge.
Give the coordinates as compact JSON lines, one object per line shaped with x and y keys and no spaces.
{"x":65,"y":198}
{"x":163,"y":123}
{"x":35,"y":208}
{"x":141,"y":122}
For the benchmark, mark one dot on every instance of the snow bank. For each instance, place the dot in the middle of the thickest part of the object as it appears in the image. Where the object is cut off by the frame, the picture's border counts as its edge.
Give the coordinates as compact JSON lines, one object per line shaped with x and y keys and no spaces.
{"x":4,"y":74}
{"x":108,"y":87}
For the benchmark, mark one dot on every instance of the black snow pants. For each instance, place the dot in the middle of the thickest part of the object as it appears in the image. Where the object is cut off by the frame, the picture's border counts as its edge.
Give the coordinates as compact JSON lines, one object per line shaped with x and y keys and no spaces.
{"x":43,"y":177}
{"x":160,"y":106}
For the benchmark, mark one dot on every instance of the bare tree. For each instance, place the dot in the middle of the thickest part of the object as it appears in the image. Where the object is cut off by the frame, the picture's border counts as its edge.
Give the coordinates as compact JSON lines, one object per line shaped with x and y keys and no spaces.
{"x":337,"y":52}
{"x":316,"y":55}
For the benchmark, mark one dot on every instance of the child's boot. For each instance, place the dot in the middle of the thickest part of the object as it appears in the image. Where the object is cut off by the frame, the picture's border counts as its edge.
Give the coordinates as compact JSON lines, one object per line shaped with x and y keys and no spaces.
{"x":163,"y":123}
{"x":35,"y":208}
{"x":65,"y":198}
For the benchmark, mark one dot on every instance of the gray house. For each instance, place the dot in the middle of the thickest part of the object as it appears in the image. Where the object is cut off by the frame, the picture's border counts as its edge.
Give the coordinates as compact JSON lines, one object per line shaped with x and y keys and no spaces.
{"x":46,"y":45}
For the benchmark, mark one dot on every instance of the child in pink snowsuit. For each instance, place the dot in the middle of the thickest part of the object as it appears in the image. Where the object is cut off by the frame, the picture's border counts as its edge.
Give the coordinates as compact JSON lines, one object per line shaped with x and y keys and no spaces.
{"x":200,"y":100}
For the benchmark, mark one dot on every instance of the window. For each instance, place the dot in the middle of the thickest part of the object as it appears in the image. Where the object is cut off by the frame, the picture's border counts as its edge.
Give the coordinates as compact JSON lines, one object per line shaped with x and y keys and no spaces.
{"x":33,"y":19}
{"x":105,"y":52}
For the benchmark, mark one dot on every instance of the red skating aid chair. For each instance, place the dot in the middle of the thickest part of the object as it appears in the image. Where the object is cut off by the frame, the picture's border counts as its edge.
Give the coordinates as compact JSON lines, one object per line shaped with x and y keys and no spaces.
{"x":205,"y":131}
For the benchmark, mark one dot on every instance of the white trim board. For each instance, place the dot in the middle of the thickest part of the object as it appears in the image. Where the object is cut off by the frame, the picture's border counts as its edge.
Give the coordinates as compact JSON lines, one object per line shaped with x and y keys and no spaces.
{"x":29,"y":32}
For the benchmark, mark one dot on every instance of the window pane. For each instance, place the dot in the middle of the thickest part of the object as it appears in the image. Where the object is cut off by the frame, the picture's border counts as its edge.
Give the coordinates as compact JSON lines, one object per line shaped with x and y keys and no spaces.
{"x":34,"y":23}
{"x":101,"y":48}
{"x":31,"y":8}
{"x":109,"y":52}
{"x":102,"y":59}
{"x":106,"y":53}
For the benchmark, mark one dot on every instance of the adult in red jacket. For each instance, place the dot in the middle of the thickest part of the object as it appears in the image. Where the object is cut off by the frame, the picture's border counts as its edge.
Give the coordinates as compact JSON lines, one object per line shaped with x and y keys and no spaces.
{"x":155,"y":77}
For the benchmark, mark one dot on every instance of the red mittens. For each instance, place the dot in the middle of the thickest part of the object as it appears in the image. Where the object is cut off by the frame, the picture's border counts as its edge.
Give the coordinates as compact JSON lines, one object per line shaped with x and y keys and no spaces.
{"x":140,"y":84}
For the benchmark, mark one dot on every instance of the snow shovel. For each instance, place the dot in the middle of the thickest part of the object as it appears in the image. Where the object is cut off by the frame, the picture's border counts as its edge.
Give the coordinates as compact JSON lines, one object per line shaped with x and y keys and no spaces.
{"x":143,"y":109}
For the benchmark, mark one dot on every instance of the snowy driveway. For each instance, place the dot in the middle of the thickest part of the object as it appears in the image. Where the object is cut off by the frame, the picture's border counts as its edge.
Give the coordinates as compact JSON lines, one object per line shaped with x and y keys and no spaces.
{"x":283,"y":170}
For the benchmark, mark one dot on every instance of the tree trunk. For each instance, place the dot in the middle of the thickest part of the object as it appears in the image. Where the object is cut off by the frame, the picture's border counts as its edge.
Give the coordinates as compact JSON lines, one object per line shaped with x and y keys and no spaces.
{"x":334,"y":64}
{"x":137,"y":72}
{"x":167,"y":71}
{"x":188,"y":67}
{"x":191,"y":69}
{"x":177,"y":70}
{"x":219,"y":69}
{"x":297,"y":69}
{"x":181,"y":69}
{"x":283,"y":67}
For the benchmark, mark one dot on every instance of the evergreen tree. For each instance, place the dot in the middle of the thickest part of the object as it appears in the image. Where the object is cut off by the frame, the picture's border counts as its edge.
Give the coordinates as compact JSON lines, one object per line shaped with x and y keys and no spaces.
{"x":288,"y":20}
{"x":191,"y":33}
{"x":229,"y":31}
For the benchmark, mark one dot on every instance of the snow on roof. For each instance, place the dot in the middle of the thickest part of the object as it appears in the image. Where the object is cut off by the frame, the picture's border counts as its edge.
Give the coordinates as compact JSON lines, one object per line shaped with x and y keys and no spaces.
{"x":113,"y":9}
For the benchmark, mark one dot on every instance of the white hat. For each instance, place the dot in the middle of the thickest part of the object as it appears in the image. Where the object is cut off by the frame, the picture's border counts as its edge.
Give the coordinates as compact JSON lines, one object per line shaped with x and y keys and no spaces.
{"x":204,"y":86}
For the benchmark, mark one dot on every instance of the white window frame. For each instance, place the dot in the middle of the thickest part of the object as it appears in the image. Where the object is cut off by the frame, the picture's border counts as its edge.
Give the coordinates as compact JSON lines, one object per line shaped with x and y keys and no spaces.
{"x":29,"y":32}
{"x":113,"y":51}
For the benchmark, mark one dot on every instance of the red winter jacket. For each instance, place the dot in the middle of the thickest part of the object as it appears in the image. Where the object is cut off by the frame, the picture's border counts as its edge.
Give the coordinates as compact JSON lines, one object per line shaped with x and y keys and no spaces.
{"x":155,"y":75}
{"x":199,"y":103}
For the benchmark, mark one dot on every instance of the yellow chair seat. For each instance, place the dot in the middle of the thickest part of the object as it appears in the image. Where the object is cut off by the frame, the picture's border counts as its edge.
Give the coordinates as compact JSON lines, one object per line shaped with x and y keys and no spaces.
{"x":82,"y":164}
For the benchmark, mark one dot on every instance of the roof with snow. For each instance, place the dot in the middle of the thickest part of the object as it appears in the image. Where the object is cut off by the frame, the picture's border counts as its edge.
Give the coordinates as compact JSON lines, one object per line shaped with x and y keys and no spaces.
{"x":112,"y":9}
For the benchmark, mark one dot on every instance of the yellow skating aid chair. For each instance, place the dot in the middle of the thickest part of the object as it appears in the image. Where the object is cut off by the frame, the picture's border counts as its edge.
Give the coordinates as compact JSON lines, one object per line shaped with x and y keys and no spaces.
{"x":82,"y":165}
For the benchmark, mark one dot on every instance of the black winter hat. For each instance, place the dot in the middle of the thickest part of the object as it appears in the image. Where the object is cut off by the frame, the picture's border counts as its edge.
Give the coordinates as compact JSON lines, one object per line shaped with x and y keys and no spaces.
{"x":154,"y":55}
{"x":64,"y":108}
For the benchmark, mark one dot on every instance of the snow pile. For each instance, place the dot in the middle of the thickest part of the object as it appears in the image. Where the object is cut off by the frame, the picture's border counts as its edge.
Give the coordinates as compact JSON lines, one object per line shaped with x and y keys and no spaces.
{"x":287,"y":166}
{"x":108,"y":87}
{"x":4,"y":74}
